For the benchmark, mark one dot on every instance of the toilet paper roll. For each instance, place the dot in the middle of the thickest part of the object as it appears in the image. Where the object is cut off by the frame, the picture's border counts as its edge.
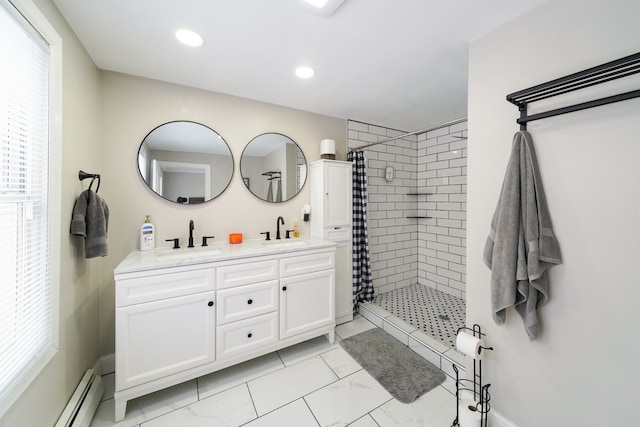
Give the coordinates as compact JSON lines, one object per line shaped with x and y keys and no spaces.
{"x":469,"y":345}
{"x":328,"y":146}
{"x":468,"y":415}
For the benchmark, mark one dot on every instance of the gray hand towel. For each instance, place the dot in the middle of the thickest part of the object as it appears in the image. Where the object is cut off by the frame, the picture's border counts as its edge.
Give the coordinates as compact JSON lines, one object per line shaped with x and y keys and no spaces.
{"x":521,"y":246}
{"x":90,"y":219}
{"x":270,"y":191}
{"x":279,"y":191}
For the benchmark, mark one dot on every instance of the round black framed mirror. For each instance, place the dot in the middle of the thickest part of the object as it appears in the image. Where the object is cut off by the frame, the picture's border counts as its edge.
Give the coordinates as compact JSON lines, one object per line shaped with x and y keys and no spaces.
{"x":185,"y":162}
{"x":273,"y":167}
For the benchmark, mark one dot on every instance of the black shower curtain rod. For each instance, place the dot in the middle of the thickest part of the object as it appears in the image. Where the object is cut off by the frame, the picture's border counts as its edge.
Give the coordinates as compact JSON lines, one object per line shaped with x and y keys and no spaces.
{"x":417,"y":132}
{"x":609,"y":71}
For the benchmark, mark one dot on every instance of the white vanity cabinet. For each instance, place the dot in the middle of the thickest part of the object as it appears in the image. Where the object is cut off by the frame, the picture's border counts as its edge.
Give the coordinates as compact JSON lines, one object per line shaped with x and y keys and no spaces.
{"x":165,"y":324}
{"x":331,"y":219}
{"x":181,"y":321}
{"x":306,"y":301}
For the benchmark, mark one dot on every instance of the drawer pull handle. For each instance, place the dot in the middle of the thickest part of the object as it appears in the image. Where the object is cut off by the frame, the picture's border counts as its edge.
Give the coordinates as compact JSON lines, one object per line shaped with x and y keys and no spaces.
{"x":284,"y":288}
{"x":210,"y":304}
{"x":250,"y":301}
{"x":249,"y":335}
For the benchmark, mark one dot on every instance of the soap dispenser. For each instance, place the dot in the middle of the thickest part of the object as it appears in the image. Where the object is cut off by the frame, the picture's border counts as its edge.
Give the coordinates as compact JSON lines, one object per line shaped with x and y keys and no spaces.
{"x":147,"y":235}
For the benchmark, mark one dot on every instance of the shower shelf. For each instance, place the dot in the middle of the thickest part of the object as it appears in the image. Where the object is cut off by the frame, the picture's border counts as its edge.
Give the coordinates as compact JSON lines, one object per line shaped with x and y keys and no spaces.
{"x":419,"y":194}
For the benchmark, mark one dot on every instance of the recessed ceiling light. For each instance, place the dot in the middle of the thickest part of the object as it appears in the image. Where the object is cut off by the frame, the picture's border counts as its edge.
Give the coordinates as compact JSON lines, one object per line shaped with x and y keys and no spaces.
{"x":190,"y":38}
{"x":322,"y":8}
{"x":305,"y":72}
{"x":317,"y":3}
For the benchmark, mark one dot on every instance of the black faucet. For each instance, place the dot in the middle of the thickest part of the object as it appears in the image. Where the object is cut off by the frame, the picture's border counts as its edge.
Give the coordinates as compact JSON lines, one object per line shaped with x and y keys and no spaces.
{"x":191,"y":227}
{"x":279,"y":221}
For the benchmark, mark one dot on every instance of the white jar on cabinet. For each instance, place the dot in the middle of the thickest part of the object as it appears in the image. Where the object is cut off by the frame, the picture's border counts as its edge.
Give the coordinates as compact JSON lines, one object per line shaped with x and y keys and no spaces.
{"x":331,"y":219}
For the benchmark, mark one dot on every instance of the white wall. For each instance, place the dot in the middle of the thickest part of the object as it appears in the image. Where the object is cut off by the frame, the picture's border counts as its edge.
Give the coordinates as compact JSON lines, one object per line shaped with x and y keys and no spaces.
{"x":44,"y":400}
{"x":581,"y":371}
{"x":131,"y":107}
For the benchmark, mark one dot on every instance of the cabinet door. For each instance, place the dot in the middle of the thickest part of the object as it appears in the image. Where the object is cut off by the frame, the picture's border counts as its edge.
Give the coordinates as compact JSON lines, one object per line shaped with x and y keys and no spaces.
{"x":164,"y":337}
{"x":306,"y":302}
{"x":338,"y":182}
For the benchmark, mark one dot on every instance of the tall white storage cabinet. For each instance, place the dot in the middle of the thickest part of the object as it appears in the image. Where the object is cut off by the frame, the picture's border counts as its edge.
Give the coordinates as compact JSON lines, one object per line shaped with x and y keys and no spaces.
{"x":331,"y":206}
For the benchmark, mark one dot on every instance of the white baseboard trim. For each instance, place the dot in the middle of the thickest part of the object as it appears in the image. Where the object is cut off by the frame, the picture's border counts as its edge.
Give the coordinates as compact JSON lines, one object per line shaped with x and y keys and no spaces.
{"x":105,"y":364}
{"x":84,"y":401}
{"x":497,"y":420}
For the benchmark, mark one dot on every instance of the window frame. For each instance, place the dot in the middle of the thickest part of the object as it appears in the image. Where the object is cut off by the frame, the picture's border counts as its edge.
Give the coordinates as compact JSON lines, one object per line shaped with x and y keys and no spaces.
{"x":41,"y":26}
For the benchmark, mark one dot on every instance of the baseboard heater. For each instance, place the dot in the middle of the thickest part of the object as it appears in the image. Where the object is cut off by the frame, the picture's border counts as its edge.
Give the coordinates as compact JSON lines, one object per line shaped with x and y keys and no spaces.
{"x":84,"y":402}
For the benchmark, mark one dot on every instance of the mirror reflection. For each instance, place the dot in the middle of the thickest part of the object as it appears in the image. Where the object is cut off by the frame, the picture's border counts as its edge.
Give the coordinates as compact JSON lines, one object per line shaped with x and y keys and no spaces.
{"x":185,"y":162}
{"x":273,"y":167}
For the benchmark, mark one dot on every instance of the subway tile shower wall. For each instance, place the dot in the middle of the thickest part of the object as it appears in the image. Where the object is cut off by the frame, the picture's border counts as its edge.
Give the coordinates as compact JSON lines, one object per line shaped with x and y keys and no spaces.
{"x":405,"y":250}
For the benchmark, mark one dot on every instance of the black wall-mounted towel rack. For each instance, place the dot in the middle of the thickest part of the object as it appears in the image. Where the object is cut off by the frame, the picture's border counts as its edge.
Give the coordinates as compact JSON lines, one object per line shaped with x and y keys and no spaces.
{"x":613,"y":70}
{"x":82,"y":175}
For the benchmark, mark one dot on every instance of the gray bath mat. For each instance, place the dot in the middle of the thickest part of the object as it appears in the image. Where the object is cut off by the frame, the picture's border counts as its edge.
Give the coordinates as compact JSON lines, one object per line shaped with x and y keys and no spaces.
{"x":404,"y":373}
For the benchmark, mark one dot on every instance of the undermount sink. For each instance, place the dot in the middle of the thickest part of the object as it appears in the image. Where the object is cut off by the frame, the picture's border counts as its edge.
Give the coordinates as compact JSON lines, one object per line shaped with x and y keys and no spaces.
{"x":292,"y":243}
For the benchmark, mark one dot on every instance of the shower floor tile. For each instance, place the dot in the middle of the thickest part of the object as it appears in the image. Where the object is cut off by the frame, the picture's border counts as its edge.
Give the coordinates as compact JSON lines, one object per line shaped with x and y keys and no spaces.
{"x":436,"y":313}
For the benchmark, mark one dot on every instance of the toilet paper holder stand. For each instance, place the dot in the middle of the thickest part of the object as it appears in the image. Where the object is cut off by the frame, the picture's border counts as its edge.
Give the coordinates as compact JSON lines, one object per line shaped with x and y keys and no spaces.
{"x":480,"y":391}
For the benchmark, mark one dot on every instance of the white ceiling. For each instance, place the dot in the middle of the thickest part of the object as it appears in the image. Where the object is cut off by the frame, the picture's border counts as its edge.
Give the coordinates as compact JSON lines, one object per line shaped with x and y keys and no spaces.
{"x":395,"y":63}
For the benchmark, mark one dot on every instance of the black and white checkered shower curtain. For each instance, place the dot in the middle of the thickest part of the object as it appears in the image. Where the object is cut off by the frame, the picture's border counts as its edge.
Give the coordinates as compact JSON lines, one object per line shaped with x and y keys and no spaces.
{"x":362,"y":283}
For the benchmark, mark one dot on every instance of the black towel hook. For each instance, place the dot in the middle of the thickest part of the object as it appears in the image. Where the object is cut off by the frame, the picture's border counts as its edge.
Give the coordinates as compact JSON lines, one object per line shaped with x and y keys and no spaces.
{"x":82,"y":175}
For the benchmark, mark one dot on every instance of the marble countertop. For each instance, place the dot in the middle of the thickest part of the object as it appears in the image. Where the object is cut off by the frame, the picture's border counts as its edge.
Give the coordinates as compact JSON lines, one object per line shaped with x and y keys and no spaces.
{"x":166,"y":257}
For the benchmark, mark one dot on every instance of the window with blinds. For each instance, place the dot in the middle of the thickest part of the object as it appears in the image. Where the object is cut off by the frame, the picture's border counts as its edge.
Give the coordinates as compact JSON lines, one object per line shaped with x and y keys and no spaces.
{"x":26,"y":292}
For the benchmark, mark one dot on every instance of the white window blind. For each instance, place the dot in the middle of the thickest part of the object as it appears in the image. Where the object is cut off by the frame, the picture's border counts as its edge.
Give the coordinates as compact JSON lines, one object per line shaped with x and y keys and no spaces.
{"x":26,"y":292}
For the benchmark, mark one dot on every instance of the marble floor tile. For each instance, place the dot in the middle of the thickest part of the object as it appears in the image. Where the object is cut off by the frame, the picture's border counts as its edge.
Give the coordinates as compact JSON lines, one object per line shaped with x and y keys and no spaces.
{"x":340,"y":362}
{"x":347,"y":400}
{"x":231,"y":408}
{"x":309,"y":385}
{"x":357,"y":325}
{"x":278,"y":388}
{"x":232,"y":376}
{"x":449,"y":384}
{"x":434,"y":409}
{"x":294,"y":414}
{"x":105,"y":414}
{"x":147,"y":407}
{"x":306,"y":349}
{"x":365,"y":421}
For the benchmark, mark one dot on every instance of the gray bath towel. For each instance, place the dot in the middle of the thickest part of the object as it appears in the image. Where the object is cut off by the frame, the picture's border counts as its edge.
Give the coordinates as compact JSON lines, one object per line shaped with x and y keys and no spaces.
{"x":90,"y":219}
{"x":521,"y":246}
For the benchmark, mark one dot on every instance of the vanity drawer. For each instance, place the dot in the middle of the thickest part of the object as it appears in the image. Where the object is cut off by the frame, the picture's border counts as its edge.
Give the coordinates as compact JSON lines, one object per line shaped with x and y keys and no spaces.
{"x":246,"y":335}
{"x":243,"y":274}
{"x":247,"y":301}
{"x":162,"y":286}
{"x":307,"y":263}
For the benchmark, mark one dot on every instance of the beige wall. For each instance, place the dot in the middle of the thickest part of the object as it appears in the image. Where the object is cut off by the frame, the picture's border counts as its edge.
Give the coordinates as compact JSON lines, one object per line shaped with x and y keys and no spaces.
{"x":44,"y":400}
{"x":582,"y":370}
{"x":133,"y":106}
